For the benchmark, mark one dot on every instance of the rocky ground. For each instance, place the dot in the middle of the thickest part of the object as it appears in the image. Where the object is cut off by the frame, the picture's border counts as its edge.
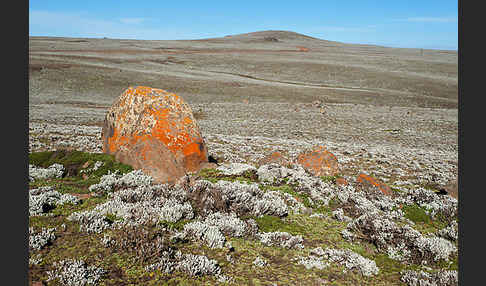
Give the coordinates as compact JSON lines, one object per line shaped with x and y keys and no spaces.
{"x":389,"y":113}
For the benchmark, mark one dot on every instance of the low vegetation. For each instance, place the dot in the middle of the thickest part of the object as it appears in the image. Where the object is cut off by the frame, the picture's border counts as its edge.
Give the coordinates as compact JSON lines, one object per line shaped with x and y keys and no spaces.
{"x":327,"y":234}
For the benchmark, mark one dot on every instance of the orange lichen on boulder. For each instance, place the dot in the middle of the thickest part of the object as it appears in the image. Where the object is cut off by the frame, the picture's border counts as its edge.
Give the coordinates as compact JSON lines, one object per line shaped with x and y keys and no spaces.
{"x":303,"y":49}
{"x":319,"y":162}
{"x":367,"y":182}
{"x":154,"y":130}
{"x":274,"y":157}
{"x":341,"y":182}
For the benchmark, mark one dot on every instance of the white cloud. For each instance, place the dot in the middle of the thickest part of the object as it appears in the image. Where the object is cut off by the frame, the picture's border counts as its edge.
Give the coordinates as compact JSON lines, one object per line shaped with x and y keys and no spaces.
{"x":429,"y":19}
{"x":71,"y":24}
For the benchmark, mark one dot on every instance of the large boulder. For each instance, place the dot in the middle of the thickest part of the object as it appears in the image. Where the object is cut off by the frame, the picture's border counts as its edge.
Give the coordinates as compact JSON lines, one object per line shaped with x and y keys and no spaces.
{"x":154,"y":130}
{"x":319,"y":162}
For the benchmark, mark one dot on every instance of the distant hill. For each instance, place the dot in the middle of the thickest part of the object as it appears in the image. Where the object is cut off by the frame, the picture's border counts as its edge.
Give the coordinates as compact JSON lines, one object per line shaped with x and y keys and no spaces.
{"x":271,"y":36}
{"x":276,"y":34}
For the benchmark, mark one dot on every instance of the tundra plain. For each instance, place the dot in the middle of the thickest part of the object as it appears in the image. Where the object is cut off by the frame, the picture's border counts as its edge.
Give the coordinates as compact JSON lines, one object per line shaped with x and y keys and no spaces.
{"x":388,"y":112}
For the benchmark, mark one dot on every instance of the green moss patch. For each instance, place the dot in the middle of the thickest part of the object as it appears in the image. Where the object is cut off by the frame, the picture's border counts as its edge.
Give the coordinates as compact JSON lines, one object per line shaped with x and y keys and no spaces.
{"x":73,"y":161}
{"x":215,"y":175}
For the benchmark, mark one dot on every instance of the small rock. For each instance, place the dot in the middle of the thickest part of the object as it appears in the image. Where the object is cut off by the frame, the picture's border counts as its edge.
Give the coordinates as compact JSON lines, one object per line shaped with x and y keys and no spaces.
{"x":366,"y":182}
{"x":274,"y":157}
{"x":319,"y":162}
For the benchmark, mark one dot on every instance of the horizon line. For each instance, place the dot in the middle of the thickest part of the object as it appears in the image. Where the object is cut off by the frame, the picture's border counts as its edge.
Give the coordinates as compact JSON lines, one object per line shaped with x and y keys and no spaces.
{"x":224,"y":36}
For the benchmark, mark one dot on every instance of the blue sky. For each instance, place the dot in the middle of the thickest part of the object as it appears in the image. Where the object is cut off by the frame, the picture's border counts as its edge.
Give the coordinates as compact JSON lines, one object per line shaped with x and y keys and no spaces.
{"x":409,"y":24}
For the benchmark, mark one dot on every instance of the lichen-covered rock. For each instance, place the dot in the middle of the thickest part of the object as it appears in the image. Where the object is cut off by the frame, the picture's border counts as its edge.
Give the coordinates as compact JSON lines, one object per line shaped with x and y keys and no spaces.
{"x":366,"y":182}
{"x":154,"y":130}
{"x":274,"y":157}
{"x":319,"y":162}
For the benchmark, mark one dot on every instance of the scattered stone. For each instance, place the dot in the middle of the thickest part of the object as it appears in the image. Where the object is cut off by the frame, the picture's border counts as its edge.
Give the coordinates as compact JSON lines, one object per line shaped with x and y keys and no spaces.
{"x":319,"y":162}
{"x":274,"y":157}
{"x":341,"y":182}
{"x":368,"y":183}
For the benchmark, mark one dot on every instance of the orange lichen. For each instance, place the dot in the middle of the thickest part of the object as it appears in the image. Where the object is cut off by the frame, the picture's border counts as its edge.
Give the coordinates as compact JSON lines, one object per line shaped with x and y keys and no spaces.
{"x":302,"y":49}
{"x":319,"y":160}
{"x":368,"y":180}
{"x":341,"y":181}
{"x":179,"y":135}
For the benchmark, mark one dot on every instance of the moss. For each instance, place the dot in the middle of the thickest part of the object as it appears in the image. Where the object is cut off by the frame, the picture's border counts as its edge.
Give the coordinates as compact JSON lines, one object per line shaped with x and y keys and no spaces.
{"x":74,"y":160}
{"x":215,"y":175}
{"x":423,"y":222}
{"x":331,"y":179}
{"x":210,"y":173}
{"x":124,"y":267}
{"x":452,"y":264}
{"x":334,"y":203}
{"x":416,"y":214}
{"x":178,"y":225}
{"x":111,"y":218}
{"x":269,"y":223}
